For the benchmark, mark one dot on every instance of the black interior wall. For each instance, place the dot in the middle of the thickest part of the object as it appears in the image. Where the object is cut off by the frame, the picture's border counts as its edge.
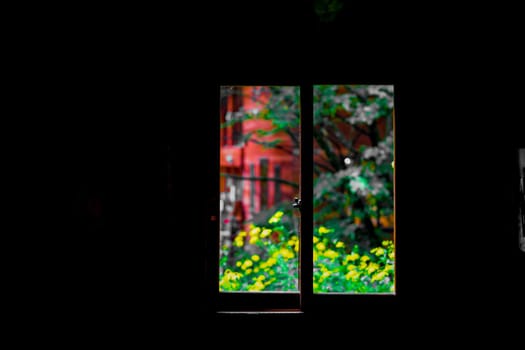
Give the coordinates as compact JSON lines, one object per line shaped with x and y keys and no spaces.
{"x":136,"y":251}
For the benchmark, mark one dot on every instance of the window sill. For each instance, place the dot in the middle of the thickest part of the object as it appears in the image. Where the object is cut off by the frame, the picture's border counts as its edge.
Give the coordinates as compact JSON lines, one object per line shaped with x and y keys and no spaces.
{"x":263,"y":315}
{"x":263,"y":312}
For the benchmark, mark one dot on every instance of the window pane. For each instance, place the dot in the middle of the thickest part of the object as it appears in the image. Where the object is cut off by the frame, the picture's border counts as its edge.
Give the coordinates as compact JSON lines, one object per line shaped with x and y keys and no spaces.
{"x":259,"y":179}
{"x":521,"y":209}
{"x":353,"y":189}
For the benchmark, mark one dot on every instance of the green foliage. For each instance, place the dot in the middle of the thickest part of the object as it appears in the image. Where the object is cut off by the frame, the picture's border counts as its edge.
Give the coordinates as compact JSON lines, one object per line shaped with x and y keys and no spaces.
{"x":266,"y":259}
{"x":344,"y":268}
{"x":364,"y":186}
{"x":327,"y":10}
{"x":282,"y":108}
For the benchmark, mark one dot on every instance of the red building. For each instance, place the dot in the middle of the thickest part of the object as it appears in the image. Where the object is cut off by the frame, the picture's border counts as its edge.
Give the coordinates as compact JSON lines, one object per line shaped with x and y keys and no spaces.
{"x":249,"y":170}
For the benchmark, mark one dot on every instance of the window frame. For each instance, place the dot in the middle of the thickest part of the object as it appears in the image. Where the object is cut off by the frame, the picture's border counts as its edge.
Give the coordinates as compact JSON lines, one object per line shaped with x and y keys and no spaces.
{"x":303,"y":301}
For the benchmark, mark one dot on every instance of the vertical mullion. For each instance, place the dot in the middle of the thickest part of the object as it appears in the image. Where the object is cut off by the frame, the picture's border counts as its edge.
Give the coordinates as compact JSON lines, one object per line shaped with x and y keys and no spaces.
{"x":306,"y":190}
{"x":211,"y":225}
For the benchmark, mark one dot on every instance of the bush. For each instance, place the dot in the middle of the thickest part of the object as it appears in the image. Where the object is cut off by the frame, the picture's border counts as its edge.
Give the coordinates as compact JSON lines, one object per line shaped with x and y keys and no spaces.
{"x":265,"y":258}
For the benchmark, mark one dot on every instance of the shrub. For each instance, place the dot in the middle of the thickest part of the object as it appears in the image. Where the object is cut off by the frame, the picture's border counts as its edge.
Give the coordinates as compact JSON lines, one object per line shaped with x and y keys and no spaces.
{"x":265,"y":258}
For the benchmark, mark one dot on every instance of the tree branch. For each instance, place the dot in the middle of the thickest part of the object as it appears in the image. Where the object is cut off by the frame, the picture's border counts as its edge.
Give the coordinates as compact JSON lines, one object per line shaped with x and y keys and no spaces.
{"x":279,"y":147}
{"x":261,"y":178}
{"x":334,"y":160}
{"x":293,"y":137}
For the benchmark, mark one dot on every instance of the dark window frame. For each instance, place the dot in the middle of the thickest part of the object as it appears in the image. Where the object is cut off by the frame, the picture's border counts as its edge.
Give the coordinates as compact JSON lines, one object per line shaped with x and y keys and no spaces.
{"x":304,"y":301}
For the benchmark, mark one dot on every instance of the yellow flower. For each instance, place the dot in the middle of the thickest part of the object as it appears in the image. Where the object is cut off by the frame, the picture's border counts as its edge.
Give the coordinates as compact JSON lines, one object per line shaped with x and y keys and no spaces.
{"x":330,"y":254}
{"x":320,"y":246}
{"x":255,"y":257}
{"x":378,"y":251}
{"x":246,"y":264}
{"x":255,"y":231}
{"x":379,"y":276}
{"x":231,"y":276}
{"x":272,"y":261}
{"x":286,"y":253}
{"x":270,"y":281}
{"x":265,"y":233}
{"x":256,"y":286}
{"x":248,"y":271}
{"x":372,"y":267}
{"x":339,"y":245}
{"x":365,"y":258}
{"x":276,"y":217}
{"x":238,"y":241}
{"x":323,"y":230}
{"x":316,"y":239}
{"x":352,"y":274}
{"x":238,"y":264}
{"x":352,"y":257}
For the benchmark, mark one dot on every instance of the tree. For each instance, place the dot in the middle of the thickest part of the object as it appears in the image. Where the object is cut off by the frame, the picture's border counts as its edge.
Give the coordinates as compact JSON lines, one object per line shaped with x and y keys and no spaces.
{"x":353,"y":131}
{"x":353,"y":161}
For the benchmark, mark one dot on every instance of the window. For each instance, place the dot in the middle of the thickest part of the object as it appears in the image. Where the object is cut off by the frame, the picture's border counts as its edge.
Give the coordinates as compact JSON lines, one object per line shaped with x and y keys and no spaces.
{"x":305,"y":217}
